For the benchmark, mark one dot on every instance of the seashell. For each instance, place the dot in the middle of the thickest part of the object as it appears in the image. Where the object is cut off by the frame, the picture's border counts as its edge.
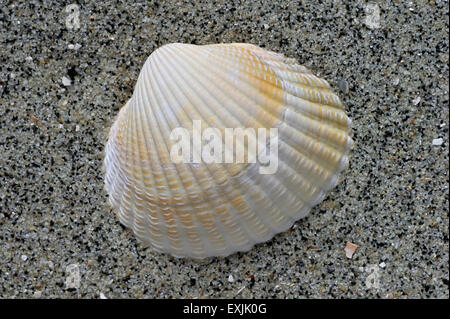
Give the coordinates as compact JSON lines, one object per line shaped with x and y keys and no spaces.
{"x":203,"y":209}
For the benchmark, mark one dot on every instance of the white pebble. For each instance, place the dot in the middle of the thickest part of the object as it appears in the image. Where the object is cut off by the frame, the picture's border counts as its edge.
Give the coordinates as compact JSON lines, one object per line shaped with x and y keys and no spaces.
{"x":71,"y":46}
{"x":230,"y":278}
{"x":416,"y":100}
{"x":438,"y":141}
{"x":102,"y":296}
{"x":77,"y":46}
{"x":383,"y":264}
{"x":77,"y":128}
{"x":24,"y":257}
{"x":28,"y":59}
{"x":396,"y":244}
{"x":66,"y":81}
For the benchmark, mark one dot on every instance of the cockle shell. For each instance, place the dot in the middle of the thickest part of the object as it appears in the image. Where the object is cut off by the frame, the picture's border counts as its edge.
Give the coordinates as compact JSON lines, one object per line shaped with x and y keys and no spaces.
{"x":202,"y":210}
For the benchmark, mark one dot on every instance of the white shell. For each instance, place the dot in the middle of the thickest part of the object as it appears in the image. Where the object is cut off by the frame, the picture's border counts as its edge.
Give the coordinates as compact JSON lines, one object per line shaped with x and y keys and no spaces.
{"x":204,"y":210}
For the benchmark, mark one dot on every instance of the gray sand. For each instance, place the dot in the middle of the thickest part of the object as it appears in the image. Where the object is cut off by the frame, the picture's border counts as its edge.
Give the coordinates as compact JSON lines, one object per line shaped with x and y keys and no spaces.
{"x":391,"y":72}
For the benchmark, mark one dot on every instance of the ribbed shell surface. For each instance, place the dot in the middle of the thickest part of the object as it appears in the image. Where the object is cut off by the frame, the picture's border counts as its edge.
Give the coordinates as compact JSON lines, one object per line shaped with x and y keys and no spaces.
{"x":202,"y":210}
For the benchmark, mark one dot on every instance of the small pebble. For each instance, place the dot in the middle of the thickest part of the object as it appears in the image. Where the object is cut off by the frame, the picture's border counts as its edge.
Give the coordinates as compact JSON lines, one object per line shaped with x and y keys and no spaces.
{"x":438,"y":141}
{"x":75,"y":46}
{"x":66,"y":81}
{"x":383,"y":264}
{"x":416,"y":100}
{"x":343,"y":86}
{"x":350,"y":249}
{"x":24,"y":257}
{"x":230,"y":278}
{"x":102,"y":296}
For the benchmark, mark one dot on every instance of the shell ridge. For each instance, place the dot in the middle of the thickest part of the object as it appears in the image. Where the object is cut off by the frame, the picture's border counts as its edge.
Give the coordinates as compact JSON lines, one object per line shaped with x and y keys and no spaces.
{"x":281,"y":183}
{"x":304,"y":131}
{"x":330,"y":136}
{"x":315,"y":103}
{"x":236,"y":52}
{"x":308,"y":108}
{"x":157,"y":244}
{"x":136,"y":169}
{"x":234,"y":89}
{"x":112,"y":159}
{"x":259,"y":77}
{"x":217,"y":98}
{"x":184,"y":93}
{"x":176,"y":67}
{"x":127,"y":219}
{"x":140,"y":95}
{"x":158,"y":118}
{"x":258,"y":204}
{"x":150,"y":150}
{"x":323,"y":188}
{"x":211,"y":95}
{"x":276,"y":190}
{"x":291,"y":141}
{"x":299,"y":88}
{"x":181,"y":88}
{"x":283,"y":67}
{"x":318,"y":185}
{"x":300,"y":211}
{"x":188,"y":166}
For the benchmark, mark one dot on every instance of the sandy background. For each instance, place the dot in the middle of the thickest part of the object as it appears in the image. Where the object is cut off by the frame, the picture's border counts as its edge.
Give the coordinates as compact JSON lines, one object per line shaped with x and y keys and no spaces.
{"x":391,"y":72}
